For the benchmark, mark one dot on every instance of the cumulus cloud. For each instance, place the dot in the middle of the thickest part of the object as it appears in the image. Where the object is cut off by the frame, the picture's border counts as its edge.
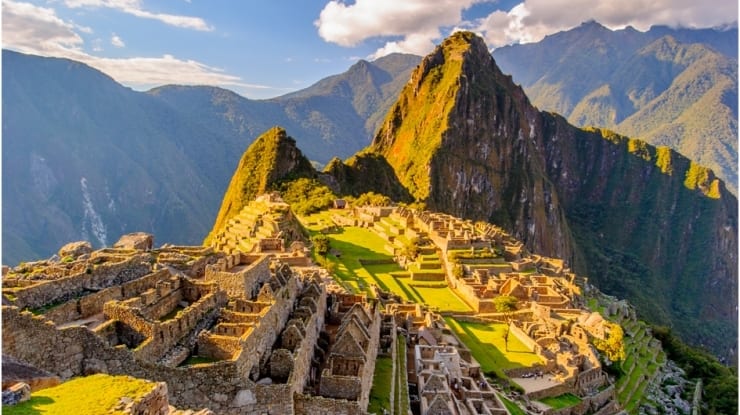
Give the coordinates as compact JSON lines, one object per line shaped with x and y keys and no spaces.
{"x":413,"y":21}
{"x":412,"y":26}
{"x":134,"y":8}
{"x":30,"y":28}
{"x":116,"y":41}
{"x":532,"y":20}
{"x":37,"y":30}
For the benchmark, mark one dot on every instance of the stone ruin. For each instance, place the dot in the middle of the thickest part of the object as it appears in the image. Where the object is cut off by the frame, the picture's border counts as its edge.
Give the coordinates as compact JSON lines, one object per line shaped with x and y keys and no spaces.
{"x":248,"y":325}
{"x":236,"y":333}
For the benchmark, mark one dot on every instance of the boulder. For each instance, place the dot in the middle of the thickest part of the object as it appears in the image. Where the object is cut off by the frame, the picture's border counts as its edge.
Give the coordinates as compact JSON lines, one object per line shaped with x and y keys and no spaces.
{"x":17,"y":393}
{"x":137,"y":240}
{"x":75,"y":249}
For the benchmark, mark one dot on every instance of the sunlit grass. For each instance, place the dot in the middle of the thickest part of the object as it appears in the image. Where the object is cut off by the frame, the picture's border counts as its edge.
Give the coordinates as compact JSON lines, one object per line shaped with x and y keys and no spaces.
{"x":562,"y":401}
{"x":91,"y":395}
{"x":486,"y":343}
{"x":352,"y":244}
{"x":381,"y":390}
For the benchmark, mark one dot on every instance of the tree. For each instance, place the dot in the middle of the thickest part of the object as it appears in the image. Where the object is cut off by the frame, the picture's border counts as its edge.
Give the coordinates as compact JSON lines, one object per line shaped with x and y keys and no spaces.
{"x":506,"y":304}
{"x":321,"y":244}
{"x":613,"y":345}
{"x":411,"y":249}
{"x":457,"y":271}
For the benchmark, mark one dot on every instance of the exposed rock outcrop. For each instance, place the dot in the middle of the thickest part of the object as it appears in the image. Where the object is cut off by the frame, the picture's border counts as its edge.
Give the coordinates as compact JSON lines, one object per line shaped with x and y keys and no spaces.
{"x":75,"y":249}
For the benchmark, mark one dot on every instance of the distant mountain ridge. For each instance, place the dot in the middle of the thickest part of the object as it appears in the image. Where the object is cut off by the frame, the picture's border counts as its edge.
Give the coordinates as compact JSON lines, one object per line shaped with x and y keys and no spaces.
{"x":334,"y":117}
{"x":674,"y":87}
{"x":85,"y":157}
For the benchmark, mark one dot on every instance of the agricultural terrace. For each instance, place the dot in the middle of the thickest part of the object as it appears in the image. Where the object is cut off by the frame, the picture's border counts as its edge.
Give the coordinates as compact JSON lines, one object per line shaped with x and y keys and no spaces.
{"x":487,"y":343}
{"x":350,"y":246}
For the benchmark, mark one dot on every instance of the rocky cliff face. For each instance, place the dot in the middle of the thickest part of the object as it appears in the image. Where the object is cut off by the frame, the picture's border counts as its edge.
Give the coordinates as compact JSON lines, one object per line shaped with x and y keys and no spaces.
{"x":641,"y":222}
{"x":465,"y":140}
{"x":272,"y":157}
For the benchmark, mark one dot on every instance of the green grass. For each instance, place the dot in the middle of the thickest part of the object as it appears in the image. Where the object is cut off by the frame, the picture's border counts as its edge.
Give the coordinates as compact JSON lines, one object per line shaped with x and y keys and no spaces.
{"x":513,"y":408}
{"x":402,"y":386}
{"x":91,"y":395}
{"x":562,"y":401}
{"x":194,"y":360}
{"x":381,"y":390}
{"x":172,"y":313}
{"x":444,"y":299}
{"x":486,"y":343}
{"x":354,"y":243}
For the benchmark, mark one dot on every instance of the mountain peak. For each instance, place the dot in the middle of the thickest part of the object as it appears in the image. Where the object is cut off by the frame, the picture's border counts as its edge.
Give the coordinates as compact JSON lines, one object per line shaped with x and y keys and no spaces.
{"x":455,"y":79}
{"x":272,"y":157}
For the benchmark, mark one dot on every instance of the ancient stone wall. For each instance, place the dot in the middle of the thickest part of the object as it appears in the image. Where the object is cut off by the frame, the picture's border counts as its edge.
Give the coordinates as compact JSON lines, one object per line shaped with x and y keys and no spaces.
{"x":303,"y":353}
{"x":155,"y":402}
{"x":218,"y":347}
{"x":267,"y":329}
{"x":318,"y":405}
{"x":341,"y":387}
{"x":243,"y":283}
{"x":163,"y":335}
{"x":565,"y":387}
{"x":100,"y":277}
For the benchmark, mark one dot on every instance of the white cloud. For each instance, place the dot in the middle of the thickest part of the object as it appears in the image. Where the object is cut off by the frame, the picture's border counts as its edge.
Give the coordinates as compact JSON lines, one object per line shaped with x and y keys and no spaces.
{"x":36,"y":30}
{"x":116,"y":41}
{"x":84,"y":29}
{"x":532,"y":20}
{"x":29,"y":28}
{"x":414,"y":20}
{"x":134,"y":7}
{"x":414,"y":27}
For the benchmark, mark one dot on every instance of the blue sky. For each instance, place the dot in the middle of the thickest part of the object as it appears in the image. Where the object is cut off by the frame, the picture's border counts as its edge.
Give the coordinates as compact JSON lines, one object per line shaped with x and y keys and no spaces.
{"x":263,"y":49}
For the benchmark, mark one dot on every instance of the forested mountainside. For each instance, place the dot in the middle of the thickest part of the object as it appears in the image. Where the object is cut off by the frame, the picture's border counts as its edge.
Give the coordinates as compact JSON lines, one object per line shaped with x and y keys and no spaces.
{"x":672,"y":87}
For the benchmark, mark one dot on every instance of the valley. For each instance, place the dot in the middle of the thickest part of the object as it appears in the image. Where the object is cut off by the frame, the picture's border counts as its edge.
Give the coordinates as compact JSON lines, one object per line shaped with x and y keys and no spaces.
{"x":471,"y":254}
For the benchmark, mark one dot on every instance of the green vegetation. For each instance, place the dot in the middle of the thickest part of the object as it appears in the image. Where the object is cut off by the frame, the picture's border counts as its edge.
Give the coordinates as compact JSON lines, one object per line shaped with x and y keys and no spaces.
{"x":306,"y":196}
{"x":91,"y":395}
{"x":562,"y":401}
{"x":484,"y":253}
{"x":321,"y":244}
{"x":172,"y":313}
{"x":372,"y":199}
{"x":640,"y":148}
{"x":196,"y":360}
{"x":418,"y":119}
{"x":666,"y":91}
{"x":258,"y":171}
{"x":382,"y":381}
{"x":401,"y":378}
{"x":354,"y":244}
{"x":613,"y":345}
{"x":663,"y":156}
{"x":720,"y":381}
{"x":513,"y":408}
{"x":488,"y":345}
{"x":699,"y":177}
{"x":442,"y":299}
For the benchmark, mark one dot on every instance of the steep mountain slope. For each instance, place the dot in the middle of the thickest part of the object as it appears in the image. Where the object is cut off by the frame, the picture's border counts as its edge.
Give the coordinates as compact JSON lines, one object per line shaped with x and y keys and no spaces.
{"x":674,"y":87}
{"x":85,"y":158}
{"x":334,"y":117}
{"x":642,"y":222}
{"x":272,"y":157}
{"x":156,"y":161}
